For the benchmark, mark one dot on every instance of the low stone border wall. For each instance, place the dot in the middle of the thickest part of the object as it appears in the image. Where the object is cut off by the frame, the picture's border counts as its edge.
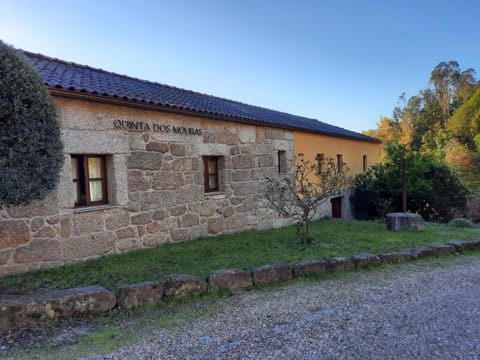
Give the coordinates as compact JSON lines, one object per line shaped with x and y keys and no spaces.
{"x":32,"y":310}
{"x":27,"y":311}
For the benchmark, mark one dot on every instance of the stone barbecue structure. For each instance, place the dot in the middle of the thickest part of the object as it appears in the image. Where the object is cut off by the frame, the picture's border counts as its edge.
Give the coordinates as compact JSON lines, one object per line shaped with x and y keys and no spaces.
{"x":146,"y":164}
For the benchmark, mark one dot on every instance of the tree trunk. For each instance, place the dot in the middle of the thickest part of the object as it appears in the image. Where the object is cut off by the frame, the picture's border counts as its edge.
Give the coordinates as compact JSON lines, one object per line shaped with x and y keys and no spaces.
{"x":305,"y":227}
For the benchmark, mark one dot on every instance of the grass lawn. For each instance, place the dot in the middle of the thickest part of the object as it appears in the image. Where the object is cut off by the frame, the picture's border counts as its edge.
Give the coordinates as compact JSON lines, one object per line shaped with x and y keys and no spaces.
{"x":243,"y":251}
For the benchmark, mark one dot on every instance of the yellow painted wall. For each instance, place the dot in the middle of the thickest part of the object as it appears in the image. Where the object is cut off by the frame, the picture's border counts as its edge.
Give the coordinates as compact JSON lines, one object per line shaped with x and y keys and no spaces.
{"x":352,"y":150}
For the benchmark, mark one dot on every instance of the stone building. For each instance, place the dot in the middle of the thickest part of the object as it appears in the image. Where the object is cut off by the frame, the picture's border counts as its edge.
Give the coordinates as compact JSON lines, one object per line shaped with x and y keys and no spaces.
{"x":147,"y":163}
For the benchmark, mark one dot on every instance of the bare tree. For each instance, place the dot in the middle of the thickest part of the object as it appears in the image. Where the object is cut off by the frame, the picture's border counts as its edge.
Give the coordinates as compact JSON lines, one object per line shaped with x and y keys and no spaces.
{"x":299,"y":195}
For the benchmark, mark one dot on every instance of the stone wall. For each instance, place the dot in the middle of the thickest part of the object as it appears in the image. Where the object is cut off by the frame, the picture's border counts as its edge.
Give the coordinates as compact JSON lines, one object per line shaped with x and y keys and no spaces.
{"x":155,"y":181}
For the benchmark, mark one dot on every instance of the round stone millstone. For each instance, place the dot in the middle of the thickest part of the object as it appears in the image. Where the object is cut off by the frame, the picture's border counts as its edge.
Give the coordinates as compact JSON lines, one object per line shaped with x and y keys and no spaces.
{"x":404,"y":222}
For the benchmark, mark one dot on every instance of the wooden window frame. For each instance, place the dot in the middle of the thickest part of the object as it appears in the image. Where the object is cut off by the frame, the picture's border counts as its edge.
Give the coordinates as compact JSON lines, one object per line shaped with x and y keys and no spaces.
{"x":320,"y":162}
{"x":339,"y":162}
{"x":282,"y":161}
{"x":83,"y":190}
{"x":207,"y":173}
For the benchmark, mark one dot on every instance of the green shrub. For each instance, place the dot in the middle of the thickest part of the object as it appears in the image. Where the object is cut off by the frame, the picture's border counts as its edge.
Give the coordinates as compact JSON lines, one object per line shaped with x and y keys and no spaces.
{"x":31,"y":152}
{"x":460,"y":223}
{"x":432,"y":189}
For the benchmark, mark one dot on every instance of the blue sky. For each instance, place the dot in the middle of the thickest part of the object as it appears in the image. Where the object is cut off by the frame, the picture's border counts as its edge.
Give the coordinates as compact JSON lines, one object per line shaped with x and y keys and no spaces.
{"x":344,"y":62}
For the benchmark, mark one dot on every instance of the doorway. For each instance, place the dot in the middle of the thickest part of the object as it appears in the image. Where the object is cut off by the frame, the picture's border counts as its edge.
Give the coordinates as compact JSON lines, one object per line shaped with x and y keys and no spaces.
{"x":336,"y":207}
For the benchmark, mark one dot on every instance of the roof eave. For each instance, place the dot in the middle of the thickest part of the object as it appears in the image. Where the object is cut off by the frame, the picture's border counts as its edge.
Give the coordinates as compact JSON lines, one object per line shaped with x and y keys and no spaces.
{"x":72,"y":94}
{"x":365,"y":139}
{"x":60,"y":92}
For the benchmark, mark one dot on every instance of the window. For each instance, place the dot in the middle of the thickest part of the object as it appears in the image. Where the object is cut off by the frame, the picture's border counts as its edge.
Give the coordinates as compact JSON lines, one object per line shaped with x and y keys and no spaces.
{"x":211,"y":173}
{"x":89,"y":180}
{"x":320,"y":161}
{"x":282,"y":162}
{"x":364,"y":162}
{"x":339,"y":162}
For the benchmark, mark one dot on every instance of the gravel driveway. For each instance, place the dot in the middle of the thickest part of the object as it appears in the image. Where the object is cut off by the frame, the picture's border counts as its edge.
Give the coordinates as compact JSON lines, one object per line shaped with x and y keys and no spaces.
{"x":416,"y":311}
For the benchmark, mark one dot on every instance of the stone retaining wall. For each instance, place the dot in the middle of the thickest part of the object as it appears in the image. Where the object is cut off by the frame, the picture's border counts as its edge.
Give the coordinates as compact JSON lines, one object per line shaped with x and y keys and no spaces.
{"x":33,"y":310}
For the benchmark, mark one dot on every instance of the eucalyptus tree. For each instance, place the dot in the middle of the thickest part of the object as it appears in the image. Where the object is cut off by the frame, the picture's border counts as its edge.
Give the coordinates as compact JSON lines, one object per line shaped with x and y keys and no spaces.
{"x":452,"y":86}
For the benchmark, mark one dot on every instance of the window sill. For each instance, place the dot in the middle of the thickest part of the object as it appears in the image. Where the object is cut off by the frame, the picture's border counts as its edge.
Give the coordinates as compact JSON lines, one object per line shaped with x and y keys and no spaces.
{"x":215,"y":195}
{"x":93,"y":208}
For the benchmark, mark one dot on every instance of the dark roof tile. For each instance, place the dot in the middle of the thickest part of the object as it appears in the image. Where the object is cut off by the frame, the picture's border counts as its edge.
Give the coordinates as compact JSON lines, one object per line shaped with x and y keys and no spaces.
{"x":80,"y":78}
